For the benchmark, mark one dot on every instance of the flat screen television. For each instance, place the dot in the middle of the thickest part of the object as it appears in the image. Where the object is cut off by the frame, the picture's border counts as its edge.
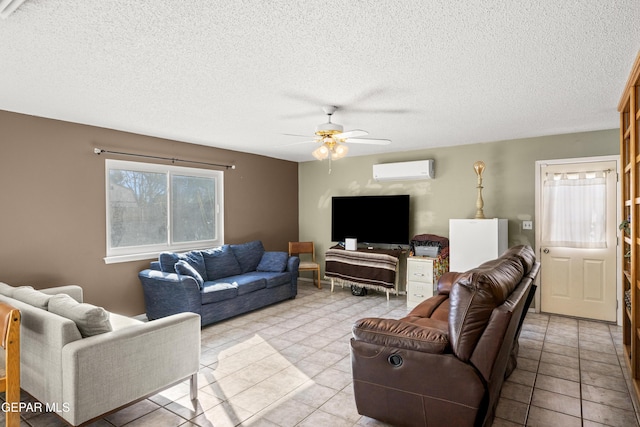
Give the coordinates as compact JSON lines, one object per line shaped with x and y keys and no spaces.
{"x":371,"y":219}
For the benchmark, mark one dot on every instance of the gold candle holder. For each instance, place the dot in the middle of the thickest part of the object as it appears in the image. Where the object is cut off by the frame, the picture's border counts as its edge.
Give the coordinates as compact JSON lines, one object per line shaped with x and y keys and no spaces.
{"x":479,"y":168}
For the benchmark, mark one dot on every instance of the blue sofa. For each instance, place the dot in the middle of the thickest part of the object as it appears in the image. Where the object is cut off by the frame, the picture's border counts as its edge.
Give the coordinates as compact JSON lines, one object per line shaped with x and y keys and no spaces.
{"x":218,"y":283}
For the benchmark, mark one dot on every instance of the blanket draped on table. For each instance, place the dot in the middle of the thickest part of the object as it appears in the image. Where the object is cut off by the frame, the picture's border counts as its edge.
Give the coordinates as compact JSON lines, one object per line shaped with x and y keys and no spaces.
{"x":366,"y":269}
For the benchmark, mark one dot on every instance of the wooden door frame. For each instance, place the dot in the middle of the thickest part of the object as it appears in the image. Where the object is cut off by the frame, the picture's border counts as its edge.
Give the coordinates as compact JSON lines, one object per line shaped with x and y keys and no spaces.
{"x":538,"y":221}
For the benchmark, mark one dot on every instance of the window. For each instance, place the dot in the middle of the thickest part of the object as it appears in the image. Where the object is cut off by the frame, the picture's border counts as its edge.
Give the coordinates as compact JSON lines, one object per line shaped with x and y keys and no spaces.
{"x":574,"y":210}
{"x":153,"y":208}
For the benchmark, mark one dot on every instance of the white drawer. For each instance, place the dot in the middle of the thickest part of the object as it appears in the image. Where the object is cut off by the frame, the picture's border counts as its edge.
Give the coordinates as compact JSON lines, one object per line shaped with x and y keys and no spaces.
{"x":420,"y":270}
{"x":418,"y":292}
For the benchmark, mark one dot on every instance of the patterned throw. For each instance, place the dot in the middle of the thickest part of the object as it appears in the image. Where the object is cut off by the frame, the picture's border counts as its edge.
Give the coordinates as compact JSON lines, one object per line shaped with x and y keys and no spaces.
{"x":366,"y":269}
{"x":440,"y":262}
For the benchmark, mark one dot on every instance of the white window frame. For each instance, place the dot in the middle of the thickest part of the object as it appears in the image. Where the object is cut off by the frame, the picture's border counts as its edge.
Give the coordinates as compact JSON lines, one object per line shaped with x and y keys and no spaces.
{"x":141,"y":252}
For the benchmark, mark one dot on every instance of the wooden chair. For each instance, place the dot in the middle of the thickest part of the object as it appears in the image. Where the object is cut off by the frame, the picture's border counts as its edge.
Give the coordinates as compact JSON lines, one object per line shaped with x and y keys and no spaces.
{"x":10,"y":381}
{"x":306,"y":248}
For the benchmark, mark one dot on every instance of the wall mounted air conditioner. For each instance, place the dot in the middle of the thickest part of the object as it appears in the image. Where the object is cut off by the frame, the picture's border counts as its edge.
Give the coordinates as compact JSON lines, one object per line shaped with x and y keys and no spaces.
{"x":421,"y":169}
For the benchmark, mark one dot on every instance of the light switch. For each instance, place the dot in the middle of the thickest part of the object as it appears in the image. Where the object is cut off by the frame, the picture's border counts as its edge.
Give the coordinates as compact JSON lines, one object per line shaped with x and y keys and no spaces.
{"x":527,"y":225}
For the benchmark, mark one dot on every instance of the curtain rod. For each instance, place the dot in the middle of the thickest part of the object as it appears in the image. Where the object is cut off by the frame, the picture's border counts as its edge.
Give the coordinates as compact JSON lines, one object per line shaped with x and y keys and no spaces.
{"x":100,"y":151}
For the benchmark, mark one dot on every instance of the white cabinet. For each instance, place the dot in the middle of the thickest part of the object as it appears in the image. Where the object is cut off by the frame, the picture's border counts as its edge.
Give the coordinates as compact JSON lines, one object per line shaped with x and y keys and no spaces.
{"x":474,"y":241}
{"x":420,"y":280}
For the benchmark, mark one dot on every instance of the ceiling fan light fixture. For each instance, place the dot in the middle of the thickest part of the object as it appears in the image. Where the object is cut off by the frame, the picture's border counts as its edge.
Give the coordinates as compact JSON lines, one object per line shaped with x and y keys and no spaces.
{"x":321,"y":152}
{"x":339,"y":152}
{"x":328,"y":129}
{"x":332,"y":138}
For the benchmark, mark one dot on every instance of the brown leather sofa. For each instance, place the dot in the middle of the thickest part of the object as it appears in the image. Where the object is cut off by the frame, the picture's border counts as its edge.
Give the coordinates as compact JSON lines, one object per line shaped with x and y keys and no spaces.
{"x":445,"y":363}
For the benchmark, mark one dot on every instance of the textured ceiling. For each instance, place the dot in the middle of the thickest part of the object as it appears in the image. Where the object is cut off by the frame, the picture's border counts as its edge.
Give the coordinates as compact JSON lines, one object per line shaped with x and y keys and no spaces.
{"x":241,"y":74}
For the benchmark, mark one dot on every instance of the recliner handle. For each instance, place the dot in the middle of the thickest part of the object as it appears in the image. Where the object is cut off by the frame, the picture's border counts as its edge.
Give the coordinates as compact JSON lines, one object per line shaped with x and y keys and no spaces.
{"x":395,"y":360}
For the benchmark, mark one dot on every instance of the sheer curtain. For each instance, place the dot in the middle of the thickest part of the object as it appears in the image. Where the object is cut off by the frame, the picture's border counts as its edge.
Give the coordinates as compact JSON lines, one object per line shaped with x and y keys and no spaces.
{"x":574,"y":210}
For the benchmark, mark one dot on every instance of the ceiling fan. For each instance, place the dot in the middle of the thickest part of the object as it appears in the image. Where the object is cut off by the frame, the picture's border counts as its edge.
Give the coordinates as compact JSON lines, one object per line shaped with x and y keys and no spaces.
{"x":333,"y":139}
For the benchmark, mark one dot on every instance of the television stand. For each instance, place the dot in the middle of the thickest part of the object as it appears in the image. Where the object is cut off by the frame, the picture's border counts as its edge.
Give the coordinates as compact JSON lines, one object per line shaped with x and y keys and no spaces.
{"x":377,"y":269}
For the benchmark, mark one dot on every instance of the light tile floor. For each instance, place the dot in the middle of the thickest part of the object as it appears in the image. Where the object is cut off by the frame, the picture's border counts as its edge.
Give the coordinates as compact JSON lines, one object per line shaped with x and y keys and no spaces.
{"x":289,"y":365}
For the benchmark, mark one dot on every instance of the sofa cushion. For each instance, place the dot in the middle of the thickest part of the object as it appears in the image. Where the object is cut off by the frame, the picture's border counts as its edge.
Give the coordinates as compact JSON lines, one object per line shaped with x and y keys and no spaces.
{"x":168,"y":262}
{"x":248,"y":255}
{"x":6,"y":290}
{"x":89,"y":319}
{"x":436,"y":304}
{"x":185,"y":269}
{"x":247,"y":282}
{"x":216,"y":292}
{"x":446,"y":281}
{"x":399,"y":334}
{"x":251,"y":286}
{"x":273,"y":262}
{"x":274,"y":279}
{"x":32,"y":297}
{"x":473,"y":298}
{"x":118,"y":321}
{"x":502,"y":278}
{"x":525,"y":254}
{"x":220,"y":262}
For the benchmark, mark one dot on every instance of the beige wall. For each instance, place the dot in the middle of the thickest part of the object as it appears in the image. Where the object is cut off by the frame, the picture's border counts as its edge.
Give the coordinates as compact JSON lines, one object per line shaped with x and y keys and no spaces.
{"x":52,"y":217}
{"x":508,"y":183}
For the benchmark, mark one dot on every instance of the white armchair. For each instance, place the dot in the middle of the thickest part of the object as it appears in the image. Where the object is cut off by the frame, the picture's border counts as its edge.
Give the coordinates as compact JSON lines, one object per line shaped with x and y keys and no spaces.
{"x":85,"y":378}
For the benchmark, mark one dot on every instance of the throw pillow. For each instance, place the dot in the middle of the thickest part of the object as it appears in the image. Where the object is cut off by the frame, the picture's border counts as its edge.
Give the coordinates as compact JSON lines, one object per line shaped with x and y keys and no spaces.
{"x":273,"y":261}
{"x":89,"y":319}
{"x":196,"y":260}
{"x":32,"y":297}
{"x":168,"y":261}
{"x":248,"y":255}
{"x":185,"y":269}
{"x":220,"y":262}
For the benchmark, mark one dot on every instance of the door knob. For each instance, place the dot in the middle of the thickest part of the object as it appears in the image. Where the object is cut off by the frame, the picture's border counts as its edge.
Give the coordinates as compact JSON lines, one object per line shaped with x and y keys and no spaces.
{"x":545,"y":250}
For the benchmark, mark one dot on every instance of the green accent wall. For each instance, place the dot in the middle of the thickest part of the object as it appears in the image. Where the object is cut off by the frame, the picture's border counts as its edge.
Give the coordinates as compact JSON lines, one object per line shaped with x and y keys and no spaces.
{"x":508,"y":181}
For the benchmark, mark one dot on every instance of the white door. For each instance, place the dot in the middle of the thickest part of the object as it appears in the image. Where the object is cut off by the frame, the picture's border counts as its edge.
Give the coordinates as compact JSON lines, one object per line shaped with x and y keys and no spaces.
{"x":578,"y":239}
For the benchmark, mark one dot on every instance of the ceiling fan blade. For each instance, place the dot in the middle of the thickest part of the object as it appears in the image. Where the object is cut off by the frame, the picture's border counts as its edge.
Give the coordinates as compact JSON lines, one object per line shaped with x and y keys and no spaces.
{"x":352,"y":134}
{"x":366,"y":95}
{"x":304,"y":97}
{"x":298,"y":135}
{"x":300,"y":142}
{"x":373,"y":110}
{"x":372,"y":141}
